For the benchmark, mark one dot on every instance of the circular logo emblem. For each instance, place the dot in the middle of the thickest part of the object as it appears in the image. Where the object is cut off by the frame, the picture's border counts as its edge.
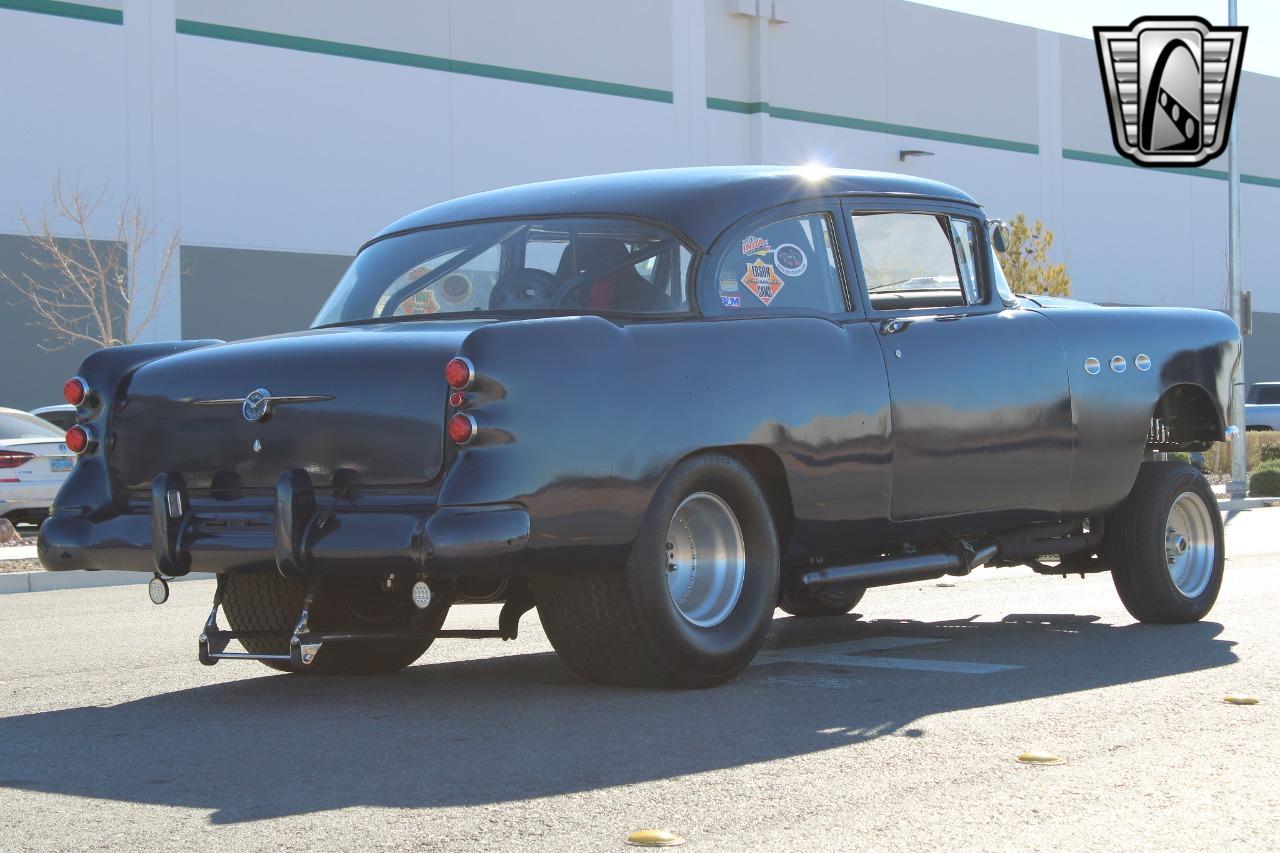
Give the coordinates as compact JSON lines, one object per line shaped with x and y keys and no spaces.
{"x":790,"y":259}
{"x":256,"y":405}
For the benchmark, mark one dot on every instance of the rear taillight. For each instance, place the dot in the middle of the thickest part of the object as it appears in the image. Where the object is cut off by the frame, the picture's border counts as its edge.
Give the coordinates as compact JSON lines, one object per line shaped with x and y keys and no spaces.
{"x":75,"y":390}
{"x":14,"y":458}
{"x":79,"y":439}
{"x":462,"y":428}
{"x":459,"y":373}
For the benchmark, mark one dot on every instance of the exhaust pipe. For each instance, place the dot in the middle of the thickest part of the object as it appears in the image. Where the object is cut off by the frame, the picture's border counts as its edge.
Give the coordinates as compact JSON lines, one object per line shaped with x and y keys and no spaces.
{"x":890,"y":570}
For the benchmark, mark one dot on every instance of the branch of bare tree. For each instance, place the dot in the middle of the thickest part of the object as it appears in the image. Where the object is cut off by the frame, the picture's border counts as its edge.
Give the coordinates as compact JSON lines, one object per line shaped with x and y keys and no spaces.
{"x":90,"y":289}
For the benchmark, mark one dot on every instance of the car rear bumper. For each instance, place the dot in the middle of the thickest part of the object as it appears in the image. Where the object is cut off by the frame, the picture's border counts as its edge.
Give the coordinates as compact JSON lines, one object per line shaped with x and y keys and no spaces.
{"x":293,"y":536}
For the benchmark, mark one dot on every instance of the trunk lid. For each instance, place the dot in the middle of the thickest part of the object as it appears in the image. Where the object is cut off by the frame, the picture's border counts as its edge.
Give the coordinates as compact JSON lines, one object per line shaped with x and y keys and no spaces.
{"x":371,"y":403}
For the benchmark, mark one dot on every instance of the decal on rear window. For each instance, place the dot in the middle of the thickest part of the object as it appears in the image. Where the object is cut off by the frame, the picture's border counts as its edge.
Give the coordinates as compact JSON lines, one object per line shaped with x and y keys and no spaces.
{"x":756,"y":246}
{"x":790,"y":259}
{"x":762,"y":281}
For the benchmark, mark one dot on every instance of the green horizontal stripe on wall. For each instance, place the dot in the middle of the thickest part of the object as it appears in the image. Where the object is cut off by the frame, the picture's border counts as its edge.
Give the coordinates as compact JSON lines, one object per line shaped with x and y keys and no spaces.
{"x":79,"y":11}
{"x":417,"y":60}
{"x":1198,"y":171}
{"x":831,"y":120}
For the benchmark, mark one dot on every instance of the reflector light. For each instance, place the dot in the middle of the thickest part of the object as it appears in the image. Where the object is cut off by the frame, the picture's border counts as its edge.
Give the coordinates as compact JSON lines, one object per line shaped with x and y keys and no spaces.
{"x":462,"y":428}
{"x":78,"y":439}
{"x":456,"y":399}
{"x":14,"y":459}
{"x":459,"y":373}
{"x":75,"y":390}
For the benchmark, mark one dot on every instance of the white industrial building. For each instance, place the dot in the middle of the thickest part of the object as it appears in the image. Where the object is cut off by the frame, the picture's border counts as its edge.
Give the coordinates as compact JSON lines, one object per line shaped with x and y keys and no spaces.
{"x":278,"y":135}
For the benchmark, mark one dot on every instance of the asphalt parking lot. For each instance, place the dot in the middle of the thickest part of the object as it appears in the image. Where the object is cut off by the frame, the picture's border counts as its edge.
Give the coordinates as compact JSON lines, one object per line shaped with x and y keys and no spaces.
{"x":895,"y":729}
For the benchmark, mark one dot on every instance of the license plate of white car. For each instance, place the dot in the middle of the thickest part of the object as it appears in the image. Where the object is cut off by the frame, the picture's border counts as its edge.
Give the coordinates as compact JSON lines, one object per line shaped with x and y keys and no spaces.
{"x":58,"y":465}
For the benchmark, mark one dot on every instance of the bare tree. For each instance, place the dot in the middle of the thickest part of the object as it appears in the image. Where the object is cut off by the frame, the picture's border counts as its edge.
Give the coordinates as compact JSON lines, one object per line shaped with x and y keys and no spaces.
{"x":87,"y":290}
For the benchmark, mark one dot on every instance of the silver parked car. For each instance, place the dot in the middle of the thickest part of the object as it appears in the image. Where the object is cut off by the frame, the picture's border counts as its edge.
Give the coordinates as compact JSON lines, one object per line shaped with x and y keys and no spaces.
{"x":34,"y":460}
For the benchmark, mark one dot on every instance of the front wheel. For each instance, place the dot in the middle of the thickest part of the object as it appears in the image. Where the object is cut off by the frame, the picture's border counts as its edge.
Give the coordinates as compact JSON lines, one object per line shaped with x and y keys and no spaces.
{"x":694,"y":600}
{"x":1165,"y":545}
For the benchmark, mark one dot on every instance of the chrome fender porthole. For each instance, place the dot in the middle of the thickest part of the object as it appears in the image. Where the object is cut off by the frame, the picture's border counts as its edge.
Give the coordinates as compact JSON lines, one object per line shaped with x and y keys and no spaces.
{"x":1092,"y":366}
{"x":1142,"y":362}
{"x":1118,"y":364}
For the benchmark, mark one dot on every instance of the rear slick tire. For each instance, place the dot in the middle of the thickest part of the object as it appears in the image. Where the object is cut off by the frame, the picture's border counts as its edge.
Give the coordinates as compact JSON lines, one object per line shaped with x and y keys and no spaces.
{"x":269,"y":602}
{"x":1165,"y":545}
{"x":663,"y":619}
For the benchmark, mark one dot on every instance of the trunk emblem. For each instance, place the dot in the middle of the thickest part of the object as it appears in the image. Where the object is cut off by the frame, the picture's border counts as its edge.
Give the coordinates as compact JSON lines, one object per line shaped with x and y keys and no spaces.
{"x":256,"y":405}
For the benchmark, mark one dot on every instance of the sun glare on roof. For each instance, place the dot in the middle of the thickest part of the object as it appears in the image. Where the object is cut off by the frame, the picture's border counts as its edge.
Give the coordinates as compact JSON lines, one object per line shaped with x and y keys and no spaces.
{"x":814,"y":171}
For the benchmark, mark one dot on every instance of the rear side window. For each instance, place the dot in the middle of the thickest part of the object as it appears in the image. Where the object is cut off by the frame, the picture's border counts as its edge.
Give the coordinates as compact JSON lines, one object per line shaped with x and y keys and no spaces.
{"x":789,"y":264}
{"x":917,"y":260}
{"x":1269,"y":394}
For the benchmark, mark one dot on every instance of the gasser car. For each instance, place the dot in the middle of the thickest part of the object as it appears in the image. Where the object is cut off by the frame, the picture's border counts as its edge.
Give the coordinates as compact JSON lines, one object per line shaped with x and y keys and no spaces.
{"x":656,"y":406}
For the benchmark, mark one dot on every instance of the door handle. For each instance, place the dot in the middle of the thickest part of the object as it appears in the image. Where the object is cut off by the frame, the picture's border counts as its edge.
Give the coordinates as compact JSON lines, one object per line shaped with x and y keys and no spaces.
{"x":892,"y":327}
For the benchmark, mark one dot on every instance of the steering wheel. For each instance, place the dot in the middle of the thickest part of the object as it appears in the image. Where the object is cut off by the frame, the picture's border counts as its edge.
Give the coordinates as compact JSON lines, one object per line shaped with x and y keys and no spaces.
{"x":523,"y":289}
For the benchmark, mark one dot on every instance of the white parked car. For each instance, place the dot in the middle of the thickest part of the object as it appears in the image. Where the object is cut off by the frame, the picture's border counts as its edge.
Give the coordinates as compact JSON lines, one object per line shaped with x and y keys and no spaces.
{"x":34,"y":461}
{"x":1262,"y":406}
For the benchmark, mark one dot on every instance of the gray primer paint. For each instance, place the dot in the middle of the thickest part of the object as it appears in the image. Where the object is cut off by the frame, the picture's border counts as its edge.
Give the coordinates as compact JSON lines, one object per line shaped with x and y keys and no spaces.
{"x":33,"y":367}
{"x":244,"y":293}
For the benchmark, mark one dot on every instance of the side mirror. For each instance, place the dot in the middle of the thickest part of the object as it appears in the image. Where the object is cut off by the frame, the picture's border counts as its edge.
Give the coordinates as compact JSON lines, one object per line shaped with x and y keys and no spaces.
{"x":999,"y":235}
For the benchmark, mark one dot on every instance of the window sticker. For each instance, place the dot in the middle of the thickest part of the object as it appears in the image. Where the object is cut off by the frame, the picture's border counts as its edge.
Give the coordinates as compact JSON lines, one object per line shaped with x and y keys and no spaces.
{"x":756,"y":246}
{"x":728,"y":282}
{"x":762,"y":281}
{"x":456,"y":288}
{"x":731,"y":301}
{"x":791,"y":259}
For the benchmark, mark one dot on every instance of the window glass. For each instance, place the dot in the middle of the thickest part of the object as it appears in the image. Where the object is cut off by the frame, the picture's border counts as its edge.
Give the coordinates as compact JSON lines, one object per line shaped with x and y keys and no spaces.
{"x":539,"y":266}
{"x":1002,"y":283}
{"x":909,"y":260}
{"x":963,"y":236}
{"x":789,"y":264}
{"x":1269,"y":394}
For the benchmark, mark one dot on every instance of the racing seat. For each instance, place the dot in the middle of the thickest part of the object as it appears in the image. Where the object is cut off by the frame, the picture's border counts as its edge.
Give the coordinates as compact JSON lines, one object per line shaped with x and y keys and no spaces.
{"x":621,"y":290}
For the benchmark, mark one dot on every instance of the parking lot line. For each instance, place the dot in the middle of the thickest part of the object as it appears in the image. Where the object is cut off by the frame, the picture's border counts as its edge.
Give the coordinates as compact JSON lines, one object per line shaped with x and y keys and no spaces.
{"x":851,"y":654}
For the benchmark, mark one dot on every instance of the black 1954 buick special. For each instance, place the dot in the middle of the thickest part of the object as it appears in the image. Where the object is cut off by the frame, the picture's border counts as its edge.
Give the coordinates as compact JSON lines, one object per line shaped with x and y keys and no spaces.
{"x":655,"y":406}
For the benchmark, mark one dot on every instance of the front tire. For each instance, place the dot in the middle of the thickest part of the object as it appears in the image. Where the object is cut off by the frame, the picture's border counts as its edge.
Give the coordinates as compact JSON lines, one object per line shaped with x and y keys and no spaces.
{"x":669,"y":617}
{"x":269,"y":602}
{"x":1165,"y":545}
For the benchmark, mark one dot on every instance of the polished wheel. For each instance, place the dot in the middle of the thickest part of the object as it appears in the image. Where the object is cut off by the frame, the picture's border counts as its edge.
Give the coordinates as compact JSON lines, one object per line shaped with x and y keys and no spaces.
{"x":706,"y":559}
{"x":1189,"y":544}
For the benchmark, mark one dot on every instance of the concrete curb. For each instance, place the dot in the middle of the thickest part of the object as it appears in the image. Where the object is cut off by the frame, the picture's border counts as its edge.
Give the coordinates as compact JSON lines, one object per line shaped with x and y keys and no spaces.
{"x":1227,"y":505}
{"x":13,"y":582}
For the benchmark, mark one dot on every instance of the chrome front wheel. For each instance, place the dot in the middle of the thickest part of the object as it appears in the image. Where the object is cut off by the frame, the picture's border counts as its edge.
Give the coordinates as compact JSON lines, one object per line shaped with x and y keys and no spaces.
{"x":1189,"y":544}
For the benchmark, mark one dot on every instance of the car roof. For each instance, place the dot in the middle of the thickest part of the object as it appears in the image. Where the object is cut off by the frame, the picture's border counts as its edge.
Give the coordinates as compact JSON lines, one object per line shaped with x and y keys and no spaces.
{"x":699,"y":201}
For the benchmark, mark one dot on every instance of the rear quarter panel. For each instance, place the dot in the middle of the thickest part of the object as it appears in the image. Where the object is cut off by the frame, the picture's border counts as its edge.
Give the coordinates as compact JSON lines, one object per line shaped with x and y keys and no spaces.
{"x":581,"y":418}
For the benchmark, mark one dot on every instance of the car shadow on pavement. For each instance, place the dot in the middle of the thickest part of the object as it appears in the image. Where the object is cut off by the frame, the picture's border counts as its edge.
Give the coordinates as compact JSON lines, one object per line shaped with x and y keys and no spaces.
{"x":509,"y":728}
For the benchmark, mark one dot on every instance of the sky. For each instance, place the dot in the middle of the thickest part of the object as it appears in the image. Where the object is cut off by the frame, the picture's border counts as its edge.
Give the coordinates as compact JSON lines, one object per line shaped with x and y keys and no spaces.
{"x":1079,"y":17}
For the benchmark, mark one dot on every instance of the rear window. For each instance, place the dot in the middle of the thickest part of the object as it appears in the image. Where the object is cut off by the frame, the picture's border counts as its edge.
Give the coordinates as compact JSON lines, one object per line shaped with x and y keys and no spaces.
{"x":22,"y":425}
{"x":535,"y":266}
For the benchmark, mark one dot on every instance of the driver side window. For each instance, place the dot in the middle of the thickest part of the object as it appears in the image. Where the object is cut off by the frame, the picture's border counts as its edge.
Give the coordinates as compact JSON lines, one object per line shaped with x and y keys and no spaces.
{"x":918,"y":260}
